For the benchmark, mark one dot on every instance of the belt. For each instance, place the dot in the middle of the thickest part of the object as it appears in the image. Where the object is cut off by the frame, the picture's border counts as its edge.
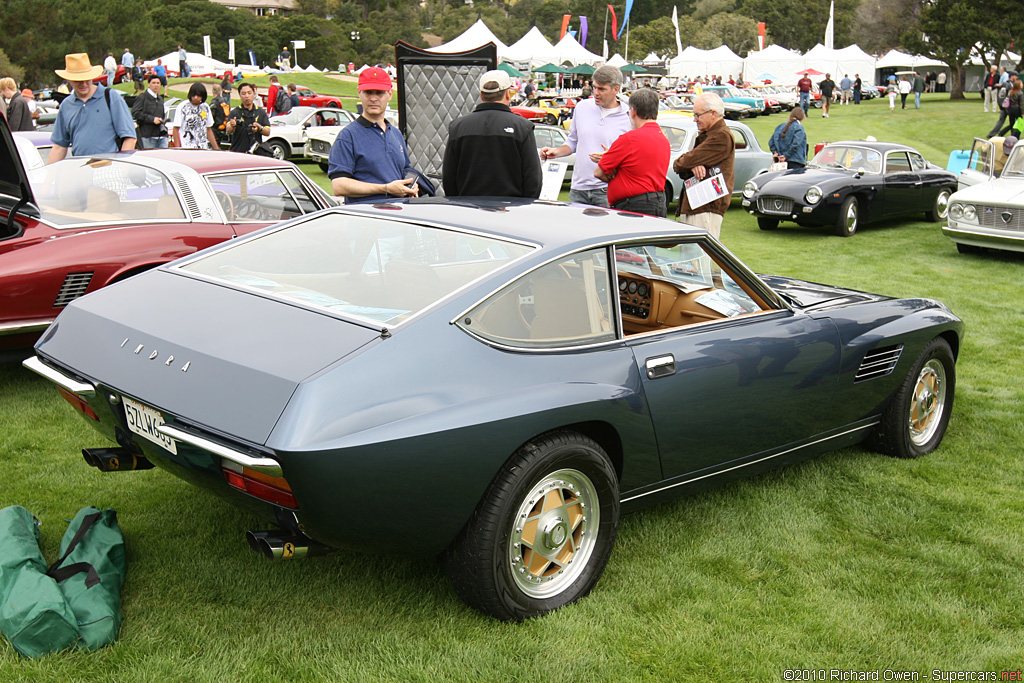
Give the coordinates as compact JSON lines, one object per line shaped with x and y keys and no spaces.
{"x":640,"y":197}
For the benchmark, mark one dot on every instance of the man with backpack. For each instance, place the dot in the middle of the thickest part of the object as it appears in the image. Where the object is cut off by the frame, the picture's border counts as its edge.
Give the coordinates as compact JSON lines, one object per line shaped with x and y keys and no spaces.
{"x":94,"y":119}
{"x":275,"y":87}
{"x":220,"y":105}
{"x":283,"y":103}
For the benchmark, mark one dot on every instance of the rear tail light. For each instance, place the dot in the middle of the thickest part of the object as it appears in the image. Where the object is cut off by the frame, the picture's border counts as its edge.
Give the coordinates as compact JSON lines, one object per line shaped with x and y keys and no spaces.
{"x":78,"y":403}
{"x":263,"y":486}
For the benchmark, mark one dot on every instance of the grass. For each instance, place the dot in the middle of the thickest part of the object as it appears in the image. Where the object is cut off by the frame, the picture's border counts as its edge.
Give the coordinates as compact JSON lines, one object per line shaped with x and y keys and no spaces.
{"x":849,"y":561}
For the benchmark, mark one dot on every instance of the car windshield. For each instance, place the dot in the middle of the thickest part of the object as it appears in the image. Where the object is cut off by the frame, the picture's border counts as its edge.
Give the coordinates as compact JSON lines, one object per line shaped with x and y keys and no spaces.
{"x":293,"y":117}
{"x":849,"y":157}
{"x":379,"y":271}
{"x":82,"y":190}
{"x":1015,"y":164}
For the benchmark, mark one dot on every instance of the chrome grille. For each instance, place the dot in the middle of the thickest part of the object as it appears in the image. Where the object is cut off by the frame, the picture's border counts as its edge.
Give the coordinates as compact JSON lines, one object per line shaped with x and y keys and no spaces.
{"x":74,"y":286}
{"x":319,"y":146}
{"x":1001,"y":217}
{"x":186,"y":194}
{"x":878,"y":363}
{"x":775,"y":206}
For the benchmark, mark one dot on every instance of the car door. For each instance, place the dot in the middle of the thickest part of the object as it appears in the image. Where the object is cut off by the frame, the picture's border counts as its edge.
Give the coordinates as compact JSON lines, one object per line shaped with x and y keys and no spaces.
{"x":903,"y":190}
{"x":742,"y":375}
{"x":749,"y":160}
{"x":980,"y":164}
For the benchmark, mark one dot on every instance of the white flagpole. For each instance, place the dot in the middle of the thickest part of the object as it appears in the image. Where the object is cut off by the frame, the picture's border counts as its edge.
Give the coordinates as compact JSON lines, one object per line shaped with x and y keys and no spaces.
{"x":830,"y":28}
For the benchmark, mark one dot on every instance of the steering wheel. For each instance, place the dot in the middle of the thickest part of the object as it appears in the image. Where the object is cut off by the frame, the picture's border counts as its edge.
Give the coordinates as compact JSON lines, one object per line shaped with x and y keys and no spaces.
{"x":247,"y":208}
{"x":226,"y":203}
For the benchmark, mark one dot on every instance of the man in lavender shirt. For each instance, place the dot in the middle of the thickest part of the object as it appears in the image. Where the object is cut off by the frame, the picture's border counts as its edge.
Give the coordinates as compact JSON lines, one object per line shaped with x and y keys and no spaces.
{"x":596,"y":124}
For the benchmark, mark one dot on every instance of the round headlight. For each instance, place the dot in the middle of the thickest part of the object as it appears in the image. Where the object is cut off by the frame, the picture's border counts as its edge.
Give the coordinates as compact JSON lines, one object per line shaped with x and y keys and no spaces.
{"x":813,"y":194}
{"x":956,"y":211}
{"x":749,"y":188}
{"x":970,"y":213}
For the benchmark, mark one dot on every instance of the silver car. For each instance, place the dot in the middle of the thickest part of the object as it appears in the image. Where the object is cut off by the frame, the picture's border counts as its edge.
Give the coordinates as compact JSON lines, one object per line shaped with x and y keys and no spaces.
{"x":681,"y":132}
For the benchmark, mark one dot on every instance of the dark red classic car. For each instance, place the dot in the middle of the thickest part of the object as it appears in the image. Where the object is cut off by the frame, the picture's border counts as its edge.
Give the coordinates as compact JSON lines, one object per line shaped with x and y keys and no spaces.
{"x":86,"y":222}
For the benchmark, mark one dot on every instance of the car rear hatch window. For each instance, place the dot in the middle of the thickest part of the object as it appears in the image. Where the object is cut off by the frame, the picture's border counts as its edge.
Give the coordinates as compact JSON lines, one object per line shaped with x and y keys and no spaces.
{"x":378,"y":271}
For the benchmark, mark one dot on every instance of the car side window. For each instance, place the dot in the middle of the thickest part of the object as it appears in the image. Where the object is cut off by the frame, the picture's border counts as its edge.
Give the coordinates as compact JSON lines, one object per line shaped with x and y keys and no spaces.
{"x":676,"y":136}
{"x":561,"y":304}
{"x":981,"y":157}
{"x":897,"y":162}
{"x":917,"y":162}
{"x":259,"y":196}
{"x":738,"y":137}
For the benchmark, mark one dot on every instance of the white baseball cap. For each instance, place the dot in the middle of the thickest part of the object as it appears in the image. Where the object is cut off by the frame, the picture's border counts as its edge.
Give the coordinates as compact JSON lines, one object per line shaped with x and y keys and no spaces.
{"x":502,"y":80}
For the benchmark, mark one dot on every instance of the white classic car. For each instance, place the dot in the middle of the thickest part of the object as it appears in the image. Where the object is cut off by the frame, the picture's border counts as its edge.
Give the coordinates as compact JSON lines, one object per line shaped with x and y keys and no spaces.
{"x":319,"y":139}
{"x":988,"y":209}
{"x":288,"y":132}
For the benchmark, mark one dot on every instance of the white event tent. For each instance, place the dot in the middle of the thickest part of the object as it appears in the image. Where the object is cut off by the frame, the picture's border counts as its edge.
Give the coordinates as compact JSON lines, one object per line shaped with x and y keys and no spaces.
{"x":848,"y":60}
{"x":617,"y":60}
{"x":533,"y":48}
{"x":200,"y":64}
{"x":895,"y":58}
{"x":697,"y":62}
{"x":473,"y":37}
{"x":774,"y":63}
{"x":570,"y":50}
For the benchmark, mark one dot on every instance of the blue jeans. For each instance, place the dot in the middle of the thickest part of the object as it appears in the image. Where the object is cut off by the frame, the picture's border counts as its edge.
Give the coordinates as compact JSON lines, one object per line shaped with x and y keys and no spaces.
{"x":596,"y":197}
{"x":805,"y":101}
{"x":154,"y":143}
{"x":917,"y":100}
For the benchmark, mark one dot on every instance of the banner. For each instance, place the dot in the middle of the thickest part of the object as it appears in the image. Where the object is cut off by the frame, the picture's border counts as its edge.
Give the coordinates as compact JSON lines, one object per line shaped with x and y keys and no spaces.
{"x":604,"y":54}
{"x":615,"y":23}
{"x":829,"y":30}
{"x":231,"y":50}
{"x":206,"y":46}
{"x":760,"y":36}
{"x":565,"y":25}
{"x":675,"y":22}
{"x":625,"y":18}
{"x":583,"y":31}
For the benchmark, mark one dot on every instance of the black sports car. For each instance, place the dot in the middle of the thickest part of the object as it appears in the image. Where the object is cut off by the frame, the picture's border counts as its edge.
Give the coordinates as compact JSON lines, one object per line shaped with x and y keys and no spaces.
{"x":849,"y":183}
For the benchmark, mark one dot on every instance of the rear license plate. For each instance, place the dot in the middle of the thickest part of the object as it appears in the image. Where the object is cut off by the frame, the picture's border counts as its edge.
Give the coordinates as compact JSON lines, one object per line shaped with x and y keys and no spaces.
{"x":143,"y":420}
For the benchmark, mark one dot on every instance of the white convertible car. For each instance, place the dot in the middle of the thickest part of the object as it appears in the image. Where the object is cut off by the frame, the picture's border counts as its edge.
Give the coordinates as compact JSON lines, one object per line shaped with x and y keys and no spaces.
{"x":988,"y":209}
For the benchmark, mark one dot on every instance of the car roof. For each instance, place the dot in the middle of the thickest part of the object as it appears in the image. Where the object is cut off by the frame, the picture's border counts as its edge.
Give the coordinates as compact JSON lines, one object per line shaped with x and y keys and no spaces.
{"x":879,"y":146}
{"x":554,"y":226}
{"x":202,"y":160}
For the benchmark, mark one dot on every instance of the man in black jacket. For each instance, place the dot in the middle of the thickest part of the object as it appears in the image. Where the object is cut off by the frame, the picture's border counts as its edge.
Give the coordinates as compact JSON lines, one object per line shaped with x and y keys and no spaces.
{"x":148,"y":112}
{"x":491,"y":152}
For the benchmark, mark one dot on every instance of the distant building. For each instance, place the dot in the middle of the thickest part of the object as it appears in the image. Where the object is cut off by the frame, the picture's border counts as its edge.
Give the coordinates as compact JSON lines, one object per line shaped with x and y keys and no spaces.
{"x":261,"y":7}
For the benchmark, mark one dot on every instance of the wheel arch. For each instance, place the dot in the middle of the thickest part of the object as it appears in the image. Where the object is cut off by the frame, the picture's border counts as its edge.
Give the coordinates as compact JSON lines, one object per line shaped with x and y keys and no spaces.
{"x":603,"y":434}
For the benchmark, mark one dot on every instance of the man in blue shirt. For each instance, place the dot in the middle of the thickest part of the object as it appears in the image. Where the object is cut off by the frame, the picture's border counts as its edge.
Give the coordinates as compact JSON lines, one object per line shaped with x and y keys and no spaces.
{"x":89,"y":121}
{"x":369,"y":161}
{"x":127,"y":61}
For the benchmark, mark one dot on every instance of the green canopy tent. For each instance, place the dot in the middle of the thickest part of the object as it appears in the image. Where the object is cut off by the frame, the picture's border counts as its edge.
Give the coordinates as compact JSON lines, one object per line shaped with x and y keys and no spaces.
{"x":582,"y":70}
{"x":511,"y":70}
{"x":549,"y":69}
{"x":635,"y":68}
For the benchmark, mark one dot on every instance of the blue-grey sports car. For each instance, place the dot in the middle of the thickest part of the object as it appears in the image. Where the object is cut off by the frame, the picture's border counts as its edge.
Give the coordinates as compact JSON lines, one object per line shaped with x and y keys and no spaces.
{"x":848,"y":184}
{"x":460,"y":378}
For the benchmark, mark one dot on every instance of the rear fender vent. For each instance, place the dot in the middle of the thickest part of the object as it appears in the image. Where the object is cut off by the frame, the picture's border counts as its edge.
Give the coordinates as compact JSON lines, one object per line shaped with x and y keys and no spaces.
{"x":186,"y":194}
{"x":74,"y":286}
{"x":878,"y":363}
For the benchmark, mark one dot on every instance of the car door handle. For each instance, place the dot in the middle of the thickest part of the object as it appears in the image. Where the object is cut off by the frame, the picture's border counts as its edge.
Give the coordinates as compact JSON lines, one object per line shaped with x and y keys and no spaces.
{"x":660,"y":366}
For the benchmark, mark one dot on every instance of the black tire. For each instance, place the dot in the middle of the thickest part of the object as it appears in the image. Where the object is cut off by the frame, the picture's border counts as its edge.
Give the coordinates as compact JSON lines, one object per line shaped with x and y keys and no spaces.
{"x":336,"y":105}
{"x":915,"y":419}
{"x":767,"y":223}
{"x":940,"y":209}
{"x":323,"y":166}
{"x":669,"y":195}
{"x":566,"y":482}
{"x":550,"y":119}
{"x":848,"y":218}
{"x":281,"y":149}
{"x":967,"y":248}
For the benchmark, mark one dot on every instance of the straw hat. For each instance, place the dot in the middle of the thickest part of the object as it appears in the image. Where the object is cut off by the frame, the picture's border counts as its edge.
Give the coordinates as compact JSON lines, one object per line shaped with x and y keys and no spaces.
{"x":78,"y":68}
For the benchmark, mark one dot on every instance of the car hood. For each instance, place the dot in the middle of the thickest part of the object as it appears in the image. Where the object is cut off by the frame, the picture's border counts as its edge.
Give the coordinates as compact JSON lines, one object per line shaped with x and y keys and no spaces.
{"x":220,"y":357}
{"x":996,"y":191}
{"x":795,"y":182}
{"x":808,"y":295}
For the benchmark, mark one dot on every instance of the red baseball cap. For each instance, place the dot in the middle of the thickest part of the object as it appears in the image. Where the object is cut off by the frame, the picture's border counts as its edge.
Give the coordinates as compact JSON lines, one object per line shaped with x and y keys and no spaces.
{"x":374,"y":78}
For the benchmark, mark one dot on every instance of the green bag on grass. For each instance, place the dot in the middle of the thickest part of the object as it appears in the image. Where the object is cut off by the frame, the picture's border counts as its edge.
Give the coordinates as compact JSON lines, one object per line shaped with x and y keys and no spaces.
{"x":74,"y":602}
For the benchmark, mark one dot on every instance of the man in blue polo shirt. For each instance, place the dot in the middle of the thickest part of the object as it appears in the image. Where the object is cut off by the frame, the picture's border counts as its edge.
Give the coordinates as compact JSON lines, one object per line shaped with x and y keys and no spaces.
{"x":369,"y":160}
{"x":89,"y":121}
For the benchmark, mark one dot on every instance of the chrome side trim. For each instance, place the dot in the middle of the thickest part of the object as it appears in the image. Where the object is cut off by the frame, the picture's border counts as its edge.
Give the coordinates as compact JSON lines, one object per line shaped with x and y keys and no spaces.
{"x":24,"y":328}
{"x":59,"y":378}
{"x":265,"y":465}
{"x":752,"y":462}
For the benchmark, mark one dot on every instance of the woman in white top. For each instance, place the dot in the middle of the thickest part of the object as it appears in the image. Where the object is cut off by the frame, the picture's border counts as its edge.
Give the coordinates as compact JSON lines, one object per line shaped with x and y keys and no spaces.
{"x":905,"y":87}
{"x":193,"y":122}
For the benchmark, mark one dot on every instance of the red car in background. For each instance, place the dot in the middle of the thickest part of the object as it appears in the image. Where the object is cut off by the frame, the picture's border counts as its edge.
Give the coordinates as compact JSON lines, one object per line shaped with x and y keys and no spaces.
{"x":86,"y":222}
{"x":534,"y":114}
{"x":308,"y":98}
{"x":120,"y":76}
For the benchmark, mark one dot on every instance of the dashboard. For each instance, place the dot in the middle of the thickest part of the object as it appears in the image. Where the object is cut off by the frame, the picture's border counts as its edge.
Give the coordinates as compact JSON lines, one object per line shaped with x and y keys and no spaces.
{"x":635,"y":297}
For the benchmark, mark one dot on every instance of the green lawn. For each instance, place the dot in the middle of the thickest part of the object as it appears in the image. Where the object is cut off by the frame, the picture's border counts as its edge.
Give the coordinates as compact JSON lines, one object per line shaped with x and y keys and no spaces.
{"x":850,"y":561}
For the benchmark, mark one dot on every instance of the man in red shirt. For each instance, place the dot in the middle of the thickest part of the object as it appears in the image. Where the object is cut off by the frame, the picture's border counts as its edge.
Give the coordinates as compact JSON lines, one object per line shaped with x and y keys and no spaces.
{"x":636,"y":165}
{"x":804,"y":85}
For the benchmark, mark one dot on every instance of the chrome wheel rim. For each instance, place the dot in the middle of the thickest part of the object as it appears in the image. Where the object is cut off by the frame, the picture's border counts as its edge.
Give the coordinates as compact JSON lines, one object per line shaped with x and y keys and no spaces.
{"x":851,"y":217}
{"x":554,"y":532}
{"x":928,"y":403}
{"x":942,"y":204}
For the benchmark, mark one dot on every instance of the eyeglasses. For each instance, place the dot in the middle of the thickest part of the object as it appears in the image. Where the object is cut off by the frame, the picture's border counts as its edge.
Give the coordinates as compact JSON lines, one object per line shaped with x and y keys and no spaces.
{"x":697,"y":116}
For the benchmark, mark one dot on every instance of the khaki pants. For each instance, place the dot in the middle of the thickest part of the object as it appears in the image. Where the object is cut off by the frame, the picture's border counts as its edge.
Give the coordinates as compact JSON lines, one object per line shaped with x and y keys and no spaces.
{"x":711,"y":222}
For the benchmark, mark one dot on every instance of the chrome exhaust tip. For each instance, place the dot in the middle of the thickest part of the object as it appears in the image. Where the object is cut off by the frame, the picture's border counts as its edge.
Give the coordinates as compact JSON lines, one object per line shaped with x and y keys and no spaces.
{"x":115,"y":460}
{"x":277,"y":545}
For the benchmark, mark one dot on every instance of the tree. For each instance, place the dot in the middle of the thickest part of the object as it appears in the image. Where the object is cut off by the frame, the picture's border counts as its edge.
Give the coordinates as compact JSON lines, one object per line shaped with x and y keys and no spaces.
{"x":659,"y":36}
{"x":793,"y":26}
{"x":880,"y":25}
{"x":9,"y":69}
{"x":735,"y":30}
{"x":952,"y":28}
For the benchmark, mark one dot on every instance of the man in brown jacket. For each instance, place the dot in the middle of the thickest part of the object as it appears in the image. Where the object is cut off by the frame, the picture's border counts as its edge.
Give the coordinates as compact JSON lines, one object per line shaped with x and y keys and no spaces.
{"x":715,"y":148}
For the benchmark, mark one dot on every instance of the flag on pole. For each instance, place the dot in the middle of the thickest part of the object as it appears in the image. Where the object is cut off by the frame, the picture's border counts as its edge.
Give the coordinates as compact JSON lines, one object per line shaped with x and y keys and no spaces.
{"x":206,"y":46}
{"x":604,"y":54}
{"x":760,"y":36}
{"x":675,"y":22}
{"x":231,"y":50}
{"x":583,"y":31}
{"x":625,"y":18}
{"x":565,"y":25}
{"x":615,"y":23}
{"x":829,"y":28}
